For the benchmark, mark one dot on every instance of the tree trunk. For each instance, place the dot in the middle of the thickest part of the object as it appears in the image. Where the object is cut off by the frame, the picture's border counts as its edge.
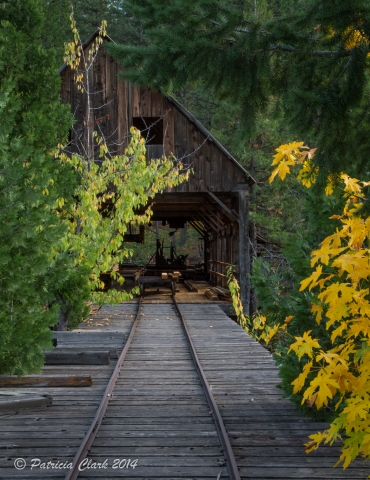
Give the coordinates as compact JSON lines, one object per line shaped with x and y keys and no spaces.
{"x":63,"y":320}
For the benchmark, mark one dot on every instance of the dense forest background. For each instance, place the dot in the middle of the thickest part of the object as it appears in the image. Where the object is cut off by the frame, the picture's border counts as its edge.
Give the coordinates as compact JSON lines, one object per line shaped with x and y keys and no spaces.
{"x":260,"y":74}
{"x":257,"y":74}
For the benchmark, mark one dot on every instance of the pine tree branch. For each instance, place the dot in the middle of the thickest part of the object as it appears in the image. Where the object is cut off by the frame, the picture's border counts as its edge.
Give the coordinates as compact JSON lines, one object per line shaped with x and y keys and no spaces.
{"x":291,"y":48}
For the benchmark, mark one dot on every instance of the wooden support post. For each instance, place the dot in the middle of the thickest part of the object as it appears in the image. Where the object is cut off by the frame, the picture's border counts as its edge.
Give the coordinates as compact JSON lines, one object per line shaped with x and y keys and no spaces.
{"x":244,"y":253}
{"x":206,"y":255}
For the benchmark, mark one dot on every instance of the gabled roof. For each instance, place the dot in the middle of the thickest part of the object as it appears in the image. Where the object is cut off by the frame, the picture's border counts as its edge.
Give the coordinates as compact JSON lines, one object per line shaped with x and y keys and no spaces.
{"x":181,"y":109}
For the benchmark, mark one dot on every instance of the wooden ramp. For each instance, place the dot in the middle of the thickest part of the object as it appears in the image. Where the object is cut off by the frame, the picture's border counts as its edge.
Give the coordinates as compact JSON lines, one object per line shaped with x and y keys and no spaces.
{"x":158,"y":414}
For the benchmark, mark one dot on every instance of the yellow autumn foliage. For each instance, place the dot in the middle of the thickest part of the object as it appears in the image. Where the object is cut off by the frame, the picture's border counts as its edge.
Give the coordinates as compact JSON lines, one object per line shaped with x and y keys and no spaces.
{"x":110,"y":191}
{"x":341,"y":279}
{"x":255,"y":325}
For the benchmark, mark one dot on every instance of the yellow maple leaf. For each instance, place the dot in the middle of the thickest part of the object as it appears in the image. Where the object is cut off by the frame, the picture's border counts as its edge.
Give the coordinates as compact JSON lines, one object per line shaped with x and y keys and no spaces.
{"x":357,"y":408}
{"x":287,"y":150}
{"x":337,"y":293}
{"x":299,"y":381}
{"x":271,"y":333}
{"x":359,"y":327}
{"x":317,"y":439}
{"x":334,"y":240}
{"x":329,"y":189}
{"x":338,"y":331}
{"x":330,"y":358}
{"x":324,"y":386}
{"x":287,"y":156}
{"x":312,"y":279}
{"x":346,"y":380}
{"x":352,"y":185}
{"x":317,"y":310}
{"x":308,"y":173}
{"x":304,"y":345}
{"x":282,"y":169}
{"x":356,"y":264}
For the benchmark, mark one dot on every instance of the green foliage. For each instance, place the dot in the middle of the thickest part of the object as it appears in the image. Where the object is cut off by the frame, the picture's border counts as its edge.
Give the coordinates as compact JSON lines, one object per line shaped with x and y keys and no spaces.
{"x":122,"y":26}
{"x":32,"y":122}
{"x":336,"y":372}
{"x":111,"y":188}
{"x":56,"y":29}
{"x":279,"y":297}
{"x":278,"y":301}
{"x":108,"y":196}
{"x":71,"y":293}
{"x":142,"y":253}
{"x":312,"y":60}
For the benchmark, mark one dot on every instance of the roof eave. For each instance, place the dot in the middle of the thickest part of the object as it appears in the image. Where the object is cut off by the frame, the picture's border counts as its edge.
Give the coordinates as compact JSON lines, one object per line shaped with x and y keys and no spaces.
{"x":208,"y":135}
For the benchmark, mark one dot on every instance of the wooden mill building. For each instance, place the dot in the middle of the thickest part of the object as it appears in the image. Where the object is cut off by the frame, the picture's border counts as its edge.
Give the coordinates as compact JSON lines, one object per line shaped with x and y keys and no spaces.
{"x":215,"y":199}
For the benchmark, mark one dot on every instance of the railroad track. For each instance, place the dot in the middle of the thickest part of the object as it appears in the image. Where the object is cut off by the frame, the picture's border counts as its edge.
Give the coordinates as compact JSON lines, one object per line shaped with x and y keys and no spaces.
{"x":157,"y":371}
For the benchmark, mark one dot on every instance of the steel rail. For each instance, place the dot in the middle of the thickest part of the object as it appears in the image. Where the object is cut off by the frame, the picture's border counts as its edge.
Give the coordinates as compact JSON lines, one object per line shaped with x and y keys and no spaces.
{"x":221,"y":430}
{"x":94,"y":427}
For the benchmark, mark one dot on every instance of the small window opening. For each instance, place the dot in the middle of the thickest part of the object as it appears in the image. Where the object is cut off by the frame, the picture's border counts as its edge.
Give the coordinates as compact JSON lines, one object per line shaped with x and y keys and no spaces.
{"x":151,"y":129}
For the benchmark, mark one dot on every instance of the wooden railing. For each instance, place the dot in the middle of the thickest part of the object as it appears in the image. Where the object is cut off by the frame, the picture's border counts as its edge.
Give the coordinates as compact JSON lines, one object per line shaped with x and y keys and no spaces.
{"x":223,"y":266}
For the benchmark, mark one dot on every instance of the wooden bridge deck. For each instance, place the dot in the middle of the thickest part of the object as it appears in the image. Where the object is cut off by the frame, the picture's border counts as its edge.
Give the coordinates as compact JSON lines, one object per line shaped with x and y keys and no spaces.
{"x":159,"y":415}
{"x":266,"y":432}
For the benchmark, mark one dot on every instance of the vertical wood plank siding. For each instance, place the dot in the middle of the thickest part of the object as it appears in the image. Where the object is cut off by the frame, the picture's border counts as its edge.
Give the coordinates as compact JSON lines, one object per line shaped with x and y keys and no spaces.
{"x":115,"y":102}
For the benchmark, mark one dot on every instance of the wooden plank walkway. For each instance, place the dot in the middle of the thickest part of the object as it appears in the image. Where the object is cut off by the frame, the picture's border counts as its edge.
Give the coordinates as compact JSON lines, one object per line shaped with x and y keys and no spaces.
{"x":158,"y":414}
{"x":266,"y":432}
{"x":56,"y":433}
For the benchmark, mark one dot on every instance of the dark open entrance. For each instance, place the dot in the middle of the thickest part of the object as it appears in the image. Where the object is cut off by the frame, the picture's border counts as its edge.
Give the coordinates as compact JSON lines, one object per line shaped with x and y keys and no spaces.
{"x":214,"y":221}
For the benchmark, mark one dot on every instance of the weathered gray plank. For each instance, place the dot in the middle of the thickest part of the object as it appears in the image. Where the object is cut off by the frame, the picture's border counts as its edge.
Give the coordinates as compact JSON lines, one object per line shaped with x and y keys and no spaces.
{"x":84,"y":357}
{"x":14,"y":404}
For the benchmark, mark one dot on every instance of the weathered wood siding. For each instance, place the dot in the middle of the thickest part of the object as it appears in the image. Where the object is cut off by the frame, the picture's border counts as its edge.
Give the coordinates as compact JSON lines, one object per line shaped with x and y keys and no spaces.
{"x":115,"y":102}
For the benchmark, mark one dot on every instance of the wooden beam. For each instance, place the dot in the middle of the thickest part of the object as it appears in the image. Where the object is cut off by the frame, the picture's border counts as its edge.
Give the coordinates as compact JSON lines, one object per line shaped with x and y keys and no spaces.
{"x":83,"y":357}
{"x":199,"y":230}
{"x":212,"y":215}
{"x":79,"y":347}
{"x":15,"y":403}
{"x":228,"y":212}
{"x":221,"y":263}
{"x":46,"y":381}
{"x":203,"y":227}
{"x":206,"y":254}
{"x":207,"y":219}
{"x":207,"y":222}
{"x":104,"y":339}
{"x":218,"y":274}
{"x":190,"y":286}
